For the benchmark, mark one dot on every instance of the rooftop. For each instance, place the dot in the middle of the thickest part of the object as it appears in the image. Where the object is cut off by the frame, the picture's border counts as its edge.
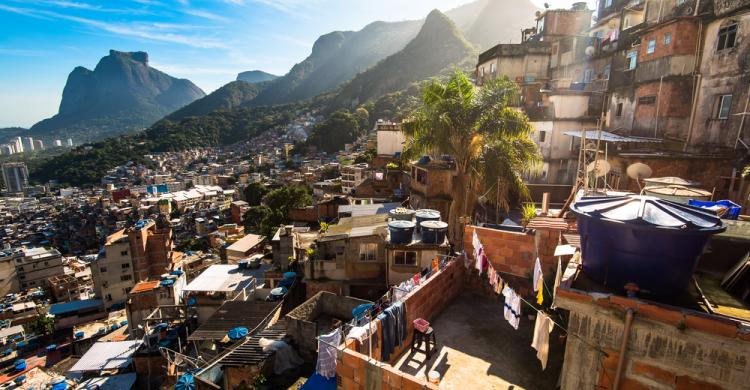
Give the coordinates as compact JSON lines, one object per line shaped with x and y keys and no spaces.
{"x":221,"y":277}
{"x":483,"y":354}
{"x":107,"y":356}
{"x":246,"y":243}
{"x":248,"y":314}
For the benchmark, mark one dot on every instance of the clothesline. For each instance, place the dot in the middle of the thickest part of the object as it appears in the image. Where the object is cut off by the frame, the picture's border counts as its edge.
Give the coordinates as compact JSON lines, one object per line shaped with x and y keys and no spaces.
{"x":538,"y":311}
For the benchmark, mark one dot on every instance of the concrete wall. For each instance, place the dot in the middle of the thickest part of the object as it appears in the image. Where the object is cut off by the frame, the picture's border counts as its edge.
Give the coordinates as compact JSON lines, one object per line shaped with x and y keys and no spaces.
{"x":107,"y":273}
{"x":669,"y":348}
{"x":9,"y":281}
{"x":724,"y":72}
{"x":390,"y":142}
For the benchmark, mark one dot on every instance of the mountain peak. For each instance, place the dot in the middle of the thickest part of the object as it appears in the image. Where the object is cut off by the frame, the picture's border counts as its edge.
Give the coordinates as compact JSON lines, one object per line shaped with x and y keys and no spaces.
{"x":138,"y":56}
{"x":122,"y":93}
{"x":255,"y":76}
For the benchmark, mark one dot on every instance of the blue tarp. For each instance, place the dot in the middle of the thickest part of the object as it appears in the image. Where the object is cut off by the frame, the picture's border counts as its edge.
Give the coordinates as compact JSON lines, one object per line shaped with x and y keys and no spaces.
{"x":74,"y":306}
{"x":290,"y":275}
{"x":20,"y":365}
{"x":186,"y":382}
{"x":52,"y":347}
{"x":237,"y":333}
{"x":319,"y":382}
{"x":167,"y":282}
{"x":79,"y":335}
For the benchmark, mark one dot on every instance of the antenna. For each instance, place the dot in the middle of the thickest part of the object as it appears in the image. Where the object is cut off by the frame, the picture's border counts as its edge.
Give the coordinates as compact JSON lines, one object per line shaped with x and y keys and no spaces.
{"x":639,"y":171}
{"x":599,"y":168}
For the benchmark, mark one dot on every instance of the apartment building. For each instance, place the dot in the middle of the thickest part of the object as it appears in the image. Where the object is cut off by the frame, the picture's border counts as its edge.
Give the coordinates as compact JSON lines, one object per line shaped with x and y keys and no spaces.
{"x":352,"y":176}
{"x":112,"y":272}
{"x":33,"y":266}
{"x":131,"y":255}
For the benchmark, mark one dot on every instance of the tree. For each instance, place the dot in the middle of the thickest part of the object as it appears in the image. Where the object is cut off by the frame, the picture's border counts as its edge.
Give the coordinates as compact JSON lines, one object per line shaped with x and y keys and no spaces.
{"x":330,"y":135}
{"x":363,"y":117}
{"x":43,"y":325}
{"x":489,"y":140}
{"x":254,"y":193}
{"x":274,"y":212}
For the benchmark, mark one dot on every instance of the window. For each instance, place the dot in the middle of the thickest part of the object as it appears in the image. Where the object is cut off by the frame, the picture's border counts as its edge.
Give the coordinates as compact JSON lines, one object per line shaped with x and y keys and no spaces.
{"x":368,"y":252}
{"x":103,"y":269}
{"x":125,"y":265}
{"x":680,"y":2}
{"x":405,"y":258}
{"x":606,"y":72}
{"x":125,"y":278}
{"x":647,"y":99}
{"x":631,"y":60}
{"x":123,"y":253}
{"x":727,"y":36}
{"x":667,"y":39}
{"x":607,"y":3}
{"x":587,"y":75}
{"x":724,"y":106}
{"x":619,"y":109}
{"x":542,"y":135}
{"x":492,"y":67}
{"x":651,"y":46}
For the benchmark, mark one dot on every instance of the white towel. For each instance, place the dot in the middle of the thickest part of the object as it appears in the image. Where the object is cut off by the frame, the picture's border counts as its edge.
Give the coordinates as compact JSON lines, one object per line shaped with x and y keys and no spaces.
{"x":538,"y":277}
{"x":542,"y":329}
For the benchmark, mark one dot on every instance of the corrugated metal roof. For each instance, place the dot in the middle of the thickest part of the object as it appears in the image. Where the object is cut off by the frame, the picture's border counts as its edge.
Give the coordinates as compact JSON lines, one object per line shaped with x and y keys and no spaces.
{"x":107,"y":356}
{"x":114,"y":382}
{"x":246,"y":243}
{"x":357,"y":210}
{"x":610,"y":137}
{"x":221,"y":277}
{"x":68,"y":307}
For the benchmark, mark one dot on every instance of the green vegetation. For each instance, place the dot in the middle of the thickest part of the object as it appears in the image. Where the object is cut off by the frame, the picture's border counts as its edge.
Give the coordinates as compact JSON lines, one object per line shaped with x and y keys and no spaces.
{"x":340,"y":128}
{"x":254,"y":193}
{"x":43,"y":325}
{"x":231,"y":95}
{"x":274,"y":211}
{"x":489,"y":140}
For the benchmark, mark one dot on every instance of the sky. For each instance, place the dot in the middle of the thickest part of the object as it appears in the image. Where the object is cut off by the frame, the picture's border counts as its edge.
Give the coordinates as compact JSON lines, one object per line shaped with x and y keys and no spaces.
{"x":206,"y":41}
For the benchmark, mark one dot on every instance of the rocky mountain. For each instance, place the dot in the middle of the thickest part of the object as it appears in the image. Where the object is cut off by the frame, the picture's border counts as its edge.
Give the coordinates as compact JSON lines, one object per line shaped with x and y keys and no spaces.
{"x":438,"y":48}
{"x":121,"y":94}
{"x":340,"y":55}
{"x":232,"y":95}
{"x":336,"y":58}
{"x":255,"y":76}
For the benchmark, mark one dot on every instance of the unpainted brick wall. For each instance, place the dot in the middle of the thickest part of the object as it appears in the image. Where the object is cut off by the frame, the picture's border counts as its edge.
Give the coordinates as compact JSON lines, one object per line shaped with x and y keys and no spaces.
{"x":426,"y":301}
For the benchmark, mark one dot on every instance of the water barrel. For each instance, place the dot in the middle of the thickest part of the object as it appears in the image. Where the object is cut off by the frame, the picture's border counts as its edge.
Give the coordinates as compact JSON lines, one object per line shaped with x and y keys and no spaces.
{"x":642,"y":239}
{"x":401,"y":231}
{"x":426,"y":215}
{"x":433,"y":232}
{"x":401,"y":214}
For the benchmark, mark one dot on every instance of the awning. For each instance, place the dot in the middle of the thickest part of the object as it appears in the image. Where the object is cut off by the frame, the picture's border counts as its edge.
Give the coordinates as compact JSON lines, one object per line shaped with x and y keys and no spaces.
{"x":610,"y":137}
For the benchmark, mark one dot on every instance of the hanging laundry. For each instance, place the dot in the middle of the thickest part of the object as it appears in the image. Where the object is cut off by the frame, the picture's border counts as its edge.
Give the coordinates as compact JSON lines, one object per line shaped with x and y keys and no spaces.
{"x":360,"y":333}
{"x":416,"y":279}
{"x":327,"y":346}
{"x":516,"y":311}
{"x":387,"y":324}
{"x":558,"y":279}
{"x":540,"y":296}
{"x":538,"y":276}
{"x":542,"y":328}
{"x":507,"y":311}
{"x":435,"y":264}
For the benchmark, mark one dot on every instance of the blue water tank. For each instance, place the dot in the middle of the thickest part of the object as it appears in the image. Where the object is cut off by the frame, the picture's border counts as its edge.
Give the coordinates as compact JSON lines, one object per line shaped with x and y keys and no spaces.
{"x":426,"y":215}
{"x":401,"y":231}
{"x":434,"y":232}
{"x":641,"y":239}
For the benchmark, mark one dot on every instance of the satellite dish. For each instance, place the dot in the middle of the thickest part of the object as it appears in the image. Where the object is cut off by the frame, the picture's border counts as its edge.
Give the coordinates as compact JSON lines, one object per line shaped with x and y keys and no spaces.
{"x":599,"y":168}
{"x":638,"y":171}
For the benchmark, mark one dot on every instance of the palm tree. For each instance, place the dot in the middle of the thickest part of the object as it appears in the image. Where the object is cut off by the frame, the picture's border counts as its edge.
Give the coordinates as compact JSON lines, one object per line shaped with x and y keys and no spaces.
{"x":488,"y":139}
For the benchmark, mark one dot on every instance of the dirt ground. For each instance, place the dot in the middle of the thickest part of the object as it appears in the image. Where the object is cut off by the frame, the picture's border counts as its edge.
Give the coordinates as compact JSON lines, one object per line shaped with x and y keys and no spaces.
{"x":478,"y":349}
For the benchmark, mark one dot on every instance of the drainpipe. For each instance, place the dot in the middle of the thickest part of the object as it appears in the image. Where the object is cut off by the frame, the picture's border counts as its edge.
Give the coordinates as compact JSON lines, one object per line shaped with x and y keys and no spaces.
{"x":623,"y":347}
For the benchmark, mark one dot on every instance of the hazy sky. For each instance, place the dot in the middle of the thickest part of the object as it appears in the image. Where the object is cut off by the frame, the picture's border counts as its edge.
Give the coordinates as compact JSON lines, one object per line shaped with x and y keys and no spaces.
{"x":208,"y":42}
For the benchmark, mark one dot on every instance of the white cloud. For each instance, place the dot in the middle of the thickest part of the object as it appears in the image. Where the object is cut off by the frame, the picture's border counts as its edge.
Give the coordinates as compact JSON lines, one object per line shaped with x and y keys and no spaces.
{"x":205,"y":15}
{"x":159,"y":32}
